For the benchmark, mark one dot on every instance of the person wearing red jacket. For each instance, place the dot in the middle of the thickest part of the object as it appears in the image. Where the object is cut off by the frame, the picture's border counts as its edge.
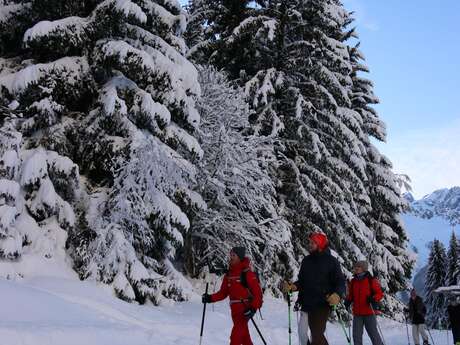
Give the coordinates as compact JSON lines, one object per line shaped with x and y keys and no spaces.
{"x":364,"y":292}
{"x":244,"y":301}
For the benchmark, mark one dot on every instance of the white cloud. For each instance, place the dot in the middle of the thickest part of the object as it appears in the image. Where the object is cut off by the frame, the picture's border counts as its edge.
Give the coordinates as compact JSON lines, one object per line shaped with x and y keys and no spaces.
{"x":431,"y":157}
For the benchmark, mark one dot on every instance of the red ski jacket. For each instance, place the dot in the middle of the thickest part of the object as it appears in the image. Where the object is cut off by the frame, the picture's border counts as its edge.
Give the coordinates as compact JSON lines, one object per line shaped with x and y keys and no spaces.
{"x":231,"y":287}
{"x":359,"y":289}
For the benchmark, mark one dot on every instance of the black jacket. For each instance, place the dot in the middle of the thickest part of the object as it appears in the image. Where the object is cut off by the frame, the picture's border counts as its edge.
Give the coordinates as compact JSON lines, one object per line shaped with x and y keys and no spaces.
{"x":417,"y":311}
{"x":319,"y":276}
{"x":454,"y":315}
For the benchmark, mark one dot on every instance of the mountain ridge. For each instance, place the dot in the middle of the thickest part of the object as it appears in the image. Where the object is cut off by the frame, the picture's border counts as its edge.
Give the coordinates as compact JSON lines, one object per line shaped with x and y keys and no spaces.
{"x":444,"y":203}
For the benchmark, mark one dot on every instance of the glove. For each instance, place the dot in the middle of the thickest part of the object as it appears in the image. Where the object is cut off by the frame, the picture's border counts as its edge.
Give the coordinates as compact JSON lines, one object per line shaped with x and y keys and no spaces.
{"x":375,"y":305}
{"x":206,"y":298}
{"x":347,"y":304}
{"x":370,"y":299}
{"x":249,"y":313}
{"x":333,"y":299}
{"x":288,"y":287}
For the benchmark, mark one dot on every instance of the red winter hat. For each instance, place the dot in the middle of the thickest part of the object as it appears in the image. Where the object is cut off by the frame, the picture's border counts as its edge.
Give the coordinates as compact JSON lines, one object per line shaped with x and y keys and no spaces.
{"x":320,"y":239}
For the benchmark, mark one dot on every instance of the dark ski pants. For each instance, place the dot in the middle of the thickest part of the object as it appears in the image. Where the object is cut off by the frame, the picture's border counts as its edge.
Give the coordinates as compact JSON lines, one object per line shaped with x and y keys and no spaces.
{"x":370,"y":323}
{"x":456,"y":333}
{"x":317,"y":320}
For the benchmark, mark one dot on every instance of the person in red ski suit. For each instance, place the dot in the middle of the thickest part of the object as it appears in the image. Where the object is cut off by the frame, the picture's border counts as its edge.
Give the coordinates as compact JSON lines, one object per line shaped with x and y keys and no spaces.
{"x":244,"y":302}
{"x":364,"y":292}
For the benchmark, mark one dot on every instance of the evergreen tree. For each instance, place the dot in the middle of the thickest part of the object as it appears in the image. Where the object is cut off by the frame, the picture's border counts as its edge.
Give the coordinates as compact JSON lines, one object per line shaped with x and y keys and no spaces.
{"x":383,"y":187}
{"x":241,"y":197}
{"x":436,"y":303}
{"x":453,"y":262}
{"x":302,"y":80}
{"x":105,"y":86}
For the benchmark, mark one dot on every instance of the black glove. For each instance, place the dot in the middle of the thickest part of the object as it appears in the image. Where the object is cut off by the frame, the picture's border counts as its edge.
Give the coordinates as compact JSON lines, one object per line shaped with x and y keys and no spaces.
{"x":206,"y":298}
{"x":370,"y":299}
{"x":375,"y":305}
{"x":347,"y":304}
{"x":249,"y":313}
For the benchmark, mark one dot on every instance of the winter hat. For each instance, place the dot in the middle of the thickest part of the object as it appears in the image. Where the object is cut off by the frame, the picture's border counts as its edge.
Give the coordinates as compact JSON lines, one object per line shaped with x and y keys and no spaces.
{"x":320,"y":239}
{"x":363,"y":264}
{"x":240,"y":252}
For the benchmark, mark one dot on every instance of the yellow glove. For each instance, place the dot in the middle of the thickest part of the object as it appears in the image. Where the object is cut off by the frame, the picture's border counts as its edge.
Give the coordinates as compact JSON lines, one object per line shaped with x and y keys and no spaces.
{"x":288,"y":287}
{"x":333,"y":299}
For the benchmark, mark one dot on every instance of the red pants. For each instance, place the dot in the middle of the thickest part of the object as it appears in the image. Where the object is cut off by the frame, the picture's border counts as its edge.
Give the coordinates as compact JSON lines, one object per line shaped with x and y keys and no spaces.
{"x":240,"y":331}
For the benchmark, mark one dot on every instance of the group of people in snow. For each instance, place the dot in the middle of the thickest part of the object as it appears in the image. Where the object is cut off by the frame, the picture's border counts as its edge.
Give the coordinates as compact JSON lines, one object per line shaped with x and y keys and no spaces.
{"x":417,"y":312}
{"x":321,"y":286}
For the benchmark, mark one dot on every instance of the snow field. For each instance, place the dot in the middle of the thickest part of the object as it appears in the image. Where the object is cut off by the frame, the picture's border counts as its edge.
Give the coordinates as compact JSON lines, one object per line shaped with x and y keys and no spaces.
{"x":56,"y":311}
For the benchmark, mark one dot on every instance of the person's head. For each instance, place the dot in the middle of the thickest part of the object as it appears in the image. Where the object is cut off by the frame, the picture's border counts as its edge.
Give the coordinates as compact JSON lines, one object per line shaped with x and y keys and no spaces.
{"x":454,"y":301}
{"x":413,"y":293}
{"x":237,"y":254}
{"x":360,"y":267}
{"x":317,"y":242}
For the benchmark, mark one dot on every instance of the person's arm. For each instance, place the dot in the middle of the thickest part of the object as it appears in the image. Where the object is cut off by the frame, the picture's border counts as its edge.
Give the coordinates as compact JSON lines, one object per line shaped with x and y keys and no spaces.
{"x":422,"y":307}
{"x":349,"y":297}
{"x":255,"y":289}
{"x":338,"y":280}
{"x":297,"y":284}
{"x":222,"y":293}
{"x":337,"y":284}
{"x":377,"y":293}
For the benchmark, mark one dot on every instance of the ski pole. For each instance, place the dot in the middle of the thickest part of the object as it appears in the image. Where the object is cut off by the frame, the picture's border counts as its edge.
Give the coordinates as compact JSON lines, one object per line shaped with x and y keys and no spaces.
{"x":255,"y":326}
{"x":289,"y":315}
{"x":202,"y":318}
{"x":431,"y":337}
{"x":258,"y":331}
{"x":341,"y":324}
{"x":213,"y":290}
{"x":407,"y":330}
{"x":349,"y":324}
{"x":378,"y":326}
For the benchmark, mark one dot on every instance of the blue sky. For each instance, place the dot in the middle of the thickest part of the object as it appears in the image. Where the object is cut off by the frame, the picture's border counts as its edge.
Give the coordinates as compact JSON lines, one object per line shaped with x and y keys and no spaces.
{"x":413,"y":50}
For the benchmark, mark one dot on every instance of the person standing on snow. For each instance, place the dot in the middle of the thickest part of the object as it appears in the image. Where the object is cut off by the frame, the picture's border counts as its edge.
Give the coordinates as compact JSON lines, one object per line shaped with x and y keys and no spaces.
{"x":321,"y":284}
{"x":417,"y":312}
{"x":364,"y":292}
{"x":453,"y":309}
{"x":244,"y":301}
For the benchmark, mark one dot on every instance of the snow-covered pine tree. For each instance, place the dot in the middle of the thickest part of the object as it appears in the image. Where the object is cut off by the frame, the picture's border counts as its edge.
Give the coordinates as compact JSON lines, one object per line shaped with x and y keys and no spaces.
{"x":453,"y":262}
{"x":389,"y":257}
{"x":293,"y":60}
{"x":436,"y":303}
{"x":36,"y":186}
{"x":241,"y":197}
{"x":106,"y":84}
{"x":240,"y":38}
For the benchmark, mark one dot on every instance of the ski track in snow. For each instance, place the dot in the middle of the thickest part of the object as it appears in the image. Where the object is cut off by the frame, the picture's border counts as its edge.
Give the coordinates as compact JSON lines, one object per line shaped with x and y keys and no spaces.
{"x":56,"y":311}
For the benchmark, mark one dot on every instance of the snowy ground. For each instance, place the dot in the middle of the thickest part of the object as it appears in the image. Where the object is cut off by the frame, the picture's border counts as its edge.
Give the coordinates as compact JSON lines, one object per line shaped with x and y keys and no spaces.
{"x":57,"y":311}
